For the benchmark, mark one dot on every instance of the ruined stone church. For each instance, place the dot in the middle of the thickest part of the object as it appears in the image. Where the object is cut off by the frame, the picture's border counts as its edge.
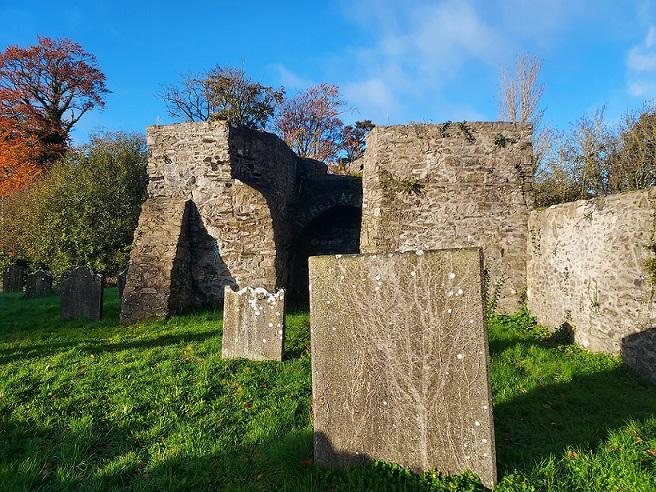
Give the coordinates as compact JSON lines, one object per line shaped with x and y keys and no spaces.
{"x":233,"y":206}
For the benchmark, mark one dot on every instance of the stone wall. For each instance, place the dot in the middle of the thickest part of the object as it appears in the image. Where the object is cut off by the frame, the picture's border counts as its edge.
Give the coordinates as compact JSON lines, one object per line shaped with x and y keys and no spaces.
{"x":241,"y":181}
{"x":450,"y":186}
{"x":587,"y":266}
{"x":158,"y":283}
{"x":244,"y":193}
{"x":255,"y":208}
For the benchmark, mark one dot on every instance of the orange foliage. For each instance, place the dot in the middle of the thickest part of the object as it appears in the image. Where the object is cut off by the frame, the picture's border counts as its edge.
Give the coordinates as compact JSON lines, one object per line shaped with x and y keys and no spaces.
{"x":44,"y":91}
{"x":19,"y":160}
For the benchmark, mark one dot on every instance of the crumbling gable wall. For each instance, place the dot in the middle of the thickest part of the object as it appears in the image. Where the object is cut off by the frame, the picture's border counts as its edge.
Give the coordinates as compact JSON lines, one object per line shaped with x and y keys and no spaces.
{"x":453,"y":185}
{"x":239,"y":183}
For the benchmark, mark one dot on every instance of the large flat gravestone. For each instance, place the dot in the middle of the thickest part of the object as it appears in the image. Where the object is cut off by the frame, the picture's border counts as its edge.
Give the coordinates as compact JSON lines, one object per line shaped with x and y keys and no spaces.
{"x":39,"y":283}
{"x":13,"y":278}
{"x":81,"y":294}
{"x":400,"y":361}
{"x":253,"y":324}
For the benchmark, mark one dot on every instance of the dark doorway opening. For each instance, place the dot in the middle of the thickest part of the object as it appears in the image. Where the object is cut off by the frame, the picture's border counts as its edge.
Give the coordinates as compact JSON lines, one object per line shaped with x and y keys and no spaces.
{"x":336,"y":231}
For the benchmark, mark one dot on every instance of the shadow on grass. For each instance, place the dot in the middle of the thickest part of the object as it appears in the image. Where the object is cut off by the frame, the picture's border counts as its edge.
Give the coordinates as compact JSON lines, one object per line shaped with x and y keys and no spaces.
{"x":561,"y":337}
{"x":92,"y":347}
{"x":639,"y":353}
{"x":108,"y":457}
{"x":24,"y":319}
{"x":21,"y":316}
{"x":576,"y":414}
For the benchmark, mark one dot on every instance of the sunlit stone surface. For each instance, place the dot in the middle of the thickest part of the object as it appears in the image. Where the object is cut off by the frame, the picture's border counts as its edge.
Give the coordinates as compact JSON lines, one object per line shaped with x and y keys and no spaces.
{"x":400,"y":361}
{"x":253,"y":324}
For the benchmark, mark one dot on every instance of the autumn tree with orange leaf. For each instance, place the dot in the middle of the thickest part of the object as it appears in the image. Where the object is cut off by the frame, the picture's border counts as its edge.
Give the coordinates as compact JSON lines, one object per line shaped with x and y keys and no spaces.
{"x":310,"y":122}
{"x":44,"y":91}
{"x":19,"y":154}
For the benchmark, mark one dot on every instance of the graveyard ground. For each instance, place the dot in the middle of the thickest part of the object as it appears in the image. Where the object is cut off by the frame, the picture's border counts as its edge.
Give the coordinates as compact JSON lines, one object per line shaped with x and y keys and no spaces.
{"x":98,"y":406}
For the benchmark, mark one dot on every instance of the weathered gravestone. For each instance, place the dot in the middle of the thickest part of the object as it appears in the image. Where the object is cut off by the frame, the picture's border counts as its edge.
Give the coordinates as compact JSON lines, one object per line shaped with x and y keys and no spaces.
{"x":253,"y":324}
{"x":400,"y":371}
{"x":13,"y":278}
{"x":39,"y":283}
{"x":81,"y":294}
{"x":122,"y":277}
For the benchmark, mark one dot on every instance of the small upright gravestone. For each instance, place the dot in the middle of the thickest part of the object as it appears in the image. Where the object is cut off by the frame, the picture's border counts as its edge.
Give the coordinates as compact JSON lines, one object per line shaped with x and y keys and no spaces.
{"x":81,"y":294}
{"x":400,"y":372}
{"x":39,"y":283}
{"x":253,"y":324}
{"x":13,"y":278}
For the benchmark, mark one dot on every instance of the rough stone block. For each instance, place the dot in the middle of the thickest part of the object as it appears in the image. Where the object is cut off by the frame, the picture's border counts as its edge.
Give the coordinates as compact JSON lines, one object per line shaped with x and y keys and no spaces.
{"x":253,"y":324}
{"x":39,"y":283}
{"x":400,"y":371}
{"x":14,"y":277}
{"x":588,"y":267}
{"x":81,"y":294}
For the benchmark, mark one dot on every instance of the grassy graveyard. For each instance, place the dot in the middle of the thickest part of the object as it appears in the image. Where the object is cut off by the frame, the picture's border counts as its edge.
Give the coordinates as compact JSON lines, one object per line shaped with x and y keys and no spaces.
{"x":99,"y":406}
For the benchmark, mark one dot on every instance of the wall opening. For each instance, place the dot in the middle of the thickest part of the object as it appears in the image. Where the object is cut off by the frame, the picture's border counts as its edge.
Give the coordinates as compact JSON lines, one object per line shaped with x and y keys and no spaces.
{"x":335,"y":231}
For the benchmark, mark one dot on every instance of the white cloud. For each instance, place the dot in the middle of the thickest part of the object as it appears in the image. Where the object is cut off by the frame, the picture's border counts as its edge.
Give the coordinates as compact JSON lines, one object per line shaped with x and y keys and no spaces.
{"x":414,"y":54}
{"x":291,"y":80}
{"x":641,"y":64}
{"x":370,"y":96}
{"x":642,"y":58}
{"x":642,"y":89}
{"x":417,"y":52}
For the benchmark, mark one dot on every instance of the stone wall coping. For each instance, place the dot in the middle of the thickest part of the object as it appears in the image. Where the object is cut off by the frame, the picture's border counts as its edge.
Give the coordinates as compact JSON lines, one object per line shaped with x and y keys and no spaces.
{"x":650,"y":192}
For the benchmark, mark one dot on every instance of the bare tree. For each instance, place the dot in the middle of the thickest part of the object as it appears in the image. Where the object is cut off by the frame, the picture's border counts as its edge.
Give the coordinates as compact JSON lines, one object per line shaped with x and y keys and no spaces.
{"x":521,"y":92}
{"x":635,"y":163}
{"x":580,"y":164}
{"x":554,"y":180}
{"x":589,"y":150}
{"x":310,"y":122}
{"x":189,"y":101}
{"x":223,"y":93}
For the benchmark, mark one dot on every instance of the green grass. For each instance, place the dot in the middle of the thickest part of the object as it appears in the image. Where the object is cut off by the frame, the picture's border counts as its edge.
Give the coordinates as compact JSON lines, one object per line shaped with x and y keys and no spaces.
{"x":100,"y":406}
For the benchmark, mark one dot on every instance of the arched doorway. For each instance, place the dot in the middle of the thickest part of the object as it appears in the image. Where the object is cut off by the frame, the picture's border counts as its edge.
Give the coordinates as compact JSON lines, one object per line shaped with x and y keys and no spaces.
{"x":335,"y":231}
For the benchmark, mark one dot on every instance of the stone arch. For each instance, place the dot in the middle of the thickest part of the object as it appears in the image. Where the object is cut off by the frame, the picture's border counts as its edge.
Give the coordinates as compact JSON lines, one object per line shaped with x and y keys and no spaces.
{"x":334,"y":231}
{"x":316,"y":195}
{"x":326,"y":220}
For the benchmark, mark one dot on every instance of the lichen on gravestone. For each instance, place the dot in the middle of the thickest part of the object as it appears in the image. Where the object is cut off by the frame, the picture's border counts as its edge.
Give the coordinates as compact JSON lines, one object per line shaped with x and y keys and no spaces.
{"x":253,"y":323}
{"x":38,"y":283}
{"x":14,"y":278}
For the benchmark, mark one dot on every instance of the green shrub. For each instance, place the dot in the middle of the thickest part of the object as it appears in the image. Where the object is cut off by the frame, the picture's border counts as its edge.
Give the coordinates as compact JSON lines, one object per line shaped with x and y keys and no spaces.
{"x":84,"y":211}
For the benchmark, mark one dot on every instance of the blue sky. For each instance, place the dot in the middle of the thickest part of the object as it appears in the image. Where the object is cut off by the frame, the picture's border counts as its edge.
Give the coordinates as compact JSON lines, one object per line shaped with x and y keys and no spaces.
{"x":394,"y":61}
